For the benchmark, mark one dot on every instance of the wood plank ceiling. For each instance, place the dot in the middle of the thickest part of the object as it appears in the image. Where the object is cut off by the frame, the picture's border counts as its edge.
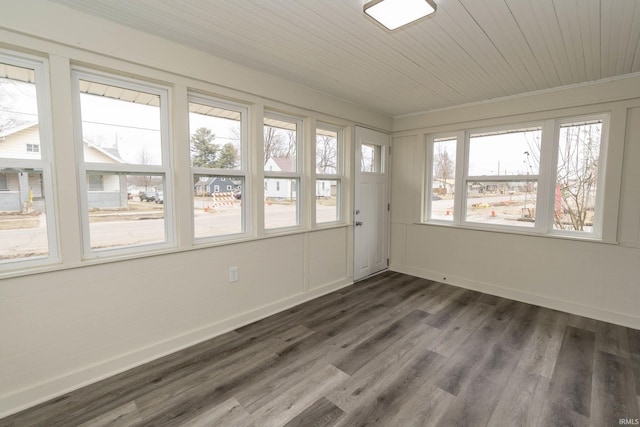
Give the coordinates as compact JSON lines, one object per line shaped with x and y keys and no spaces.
{"x":469,"y":51}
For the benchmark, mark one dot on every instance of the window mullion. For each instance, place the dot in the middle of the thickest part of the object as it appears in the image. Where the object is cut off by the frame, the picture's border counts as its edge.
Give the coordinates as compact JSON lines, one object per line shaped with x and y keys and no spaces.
{"x":546,"y":183}
{"x":462,"y":162}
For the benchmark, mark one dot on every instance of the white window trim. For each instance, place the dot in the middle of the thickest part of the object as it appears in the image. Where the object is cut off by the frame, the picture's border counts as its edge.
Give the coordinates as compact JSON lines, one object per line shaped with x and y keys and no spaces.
{"x":40,"y":66}
{"x":243,"y":172}
{"x":298,"y":175}
{"x":164,"y":169}
{"x":546,"y":179}
{"x":337,"y":176}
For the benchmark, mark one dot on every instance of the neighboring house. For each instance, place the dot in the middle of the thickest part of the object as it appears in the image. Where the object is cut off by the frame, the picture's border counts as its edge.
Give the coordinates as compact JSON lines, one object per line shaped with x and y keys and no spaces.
{"x":280,"y":188}
{"x":325,"y":188}
{"x":109,"y":190}
{"x":18,"y":188}
{"x":441,"y":186}
{"x":217,"y":184}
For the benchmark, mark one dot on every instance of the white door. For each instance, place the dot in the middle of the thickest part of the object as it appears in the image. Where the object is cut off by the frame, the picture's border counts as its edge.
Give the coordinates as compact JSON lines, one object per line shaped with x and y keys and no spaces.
{"x":371,"y":203}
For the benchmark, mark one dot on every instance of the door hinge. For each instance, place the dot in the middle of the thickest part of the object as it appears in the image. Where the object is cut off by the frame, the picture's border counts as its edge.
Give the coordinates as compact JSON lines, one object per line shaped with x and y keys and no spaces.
{"x":387,"y":262}
{"x":388,"y":207}
{"x":389,"y":150}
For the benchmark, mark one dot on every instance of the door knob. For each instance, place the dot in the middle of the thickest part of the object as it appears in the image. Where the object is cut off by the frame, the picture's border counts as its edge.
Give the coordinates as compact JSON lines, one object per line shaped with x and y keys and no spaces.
{"x":358,"y":223}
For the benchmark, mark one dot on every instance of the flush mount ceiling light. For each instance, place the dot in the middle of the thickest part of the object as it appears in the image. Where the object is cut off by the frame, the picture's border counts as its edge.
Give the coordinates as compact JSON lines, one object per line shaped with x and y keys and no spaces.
{"x":394,"y":14}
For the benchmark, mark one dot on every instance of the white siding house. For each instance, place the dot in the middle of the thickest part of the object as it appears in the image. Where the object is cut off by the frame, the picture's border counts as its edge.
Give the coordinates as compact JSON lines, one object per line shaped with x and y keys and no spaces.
{"x":19,"y":189}
{"x":280,"y":188}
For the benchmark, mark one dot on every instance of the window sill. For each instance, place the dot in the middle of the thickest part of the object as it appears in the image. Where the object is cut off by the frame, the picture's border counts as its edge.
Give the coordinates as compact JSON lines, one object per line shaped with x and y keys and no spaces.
{"x":57,"y":265}
{"x":576,"y":238}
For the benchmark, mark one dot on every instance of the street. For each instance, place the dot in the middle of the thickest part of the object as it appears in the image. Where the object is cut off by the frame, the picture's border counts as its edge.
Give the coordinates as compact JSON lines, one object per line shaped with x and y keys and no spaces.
{"x":145,"y":229}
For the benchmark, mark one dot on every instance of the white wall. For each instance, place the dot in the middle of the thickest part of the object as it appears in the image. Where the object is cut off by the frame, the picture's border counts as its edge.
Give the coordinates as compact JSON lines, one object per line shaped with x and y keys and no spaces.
{"x":67,"y":325}
{"x":598,"y":280}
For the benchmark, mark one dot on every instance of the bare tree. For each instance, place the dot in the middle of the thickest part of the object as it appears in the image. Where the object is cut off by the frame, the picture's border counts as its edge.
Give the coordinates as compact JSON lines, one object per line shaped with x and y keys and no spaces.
{"x":145,"y":181}
{"x":291,"y":145}
{"x":273,"y":143}
{"x":444,"y":166}
{"x":326,"y":154}
{"x":577,"y":173}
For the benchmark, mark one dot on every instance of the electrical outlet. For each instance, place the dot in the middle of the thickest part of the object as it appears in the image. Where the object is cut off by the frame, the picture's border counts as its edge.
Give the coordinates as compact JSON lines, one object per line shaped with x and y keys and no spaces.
{"x":233,"y":274}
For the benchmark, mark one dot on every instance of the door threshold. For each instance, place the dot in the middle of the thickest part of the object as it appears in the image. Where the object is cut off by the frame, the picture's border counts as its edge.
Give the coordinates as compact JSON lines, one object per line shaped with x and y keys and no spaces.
{"x":371,"y":275}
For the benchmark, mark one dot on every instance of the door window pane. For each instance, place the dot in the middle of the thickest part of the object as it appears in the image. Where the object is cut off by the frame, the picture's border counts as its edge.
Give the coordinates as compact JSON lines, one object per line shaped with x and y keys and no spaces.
{"x":371,"y":158}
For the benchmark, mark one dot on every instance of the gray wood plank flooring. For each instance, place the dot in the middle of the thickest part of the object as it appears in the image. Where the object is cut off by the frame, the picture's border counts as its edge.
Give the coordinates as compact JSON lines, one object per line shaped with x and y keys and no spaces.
{"x":392,"y":350}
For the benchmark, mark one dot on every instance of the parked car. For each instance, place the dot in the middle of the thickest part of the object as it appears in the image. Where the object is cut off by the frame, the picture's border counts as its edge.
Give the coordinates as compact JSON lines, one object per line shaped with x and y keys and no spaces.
{"x":434,"y":197}
{"x":237,"y":195}
{"x":159,"y":198}
{"x":149,"y":196}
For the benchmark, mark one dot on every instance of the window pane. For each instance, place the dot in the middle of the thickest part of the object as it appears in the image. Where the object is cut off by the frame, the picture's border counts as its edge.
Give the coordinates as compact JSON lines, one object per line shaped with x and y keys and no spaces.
{"x":19,"y":133}
{"x":327,"y":196}
{"x":215,"y":137}
{"x":217,"y":206}
{"x":371,"y":158}
{"x":23,"y":225}
{"x":127,"y":211}
{"x":120,"y":125}
{"x":280,"y":145}
{"x":326,"y":151}
{"x":506,"y":153}
{"x":280,"y":203}
{"x":577,"y":176}
{"x":443,"y":178}
{"x":510,"y":203}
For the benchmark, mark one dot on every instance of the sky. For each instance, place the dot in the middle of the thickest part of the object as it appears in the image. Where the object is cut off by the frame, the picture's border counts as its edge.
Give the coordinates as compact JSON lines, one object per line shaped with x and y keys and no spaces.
{"x":136,"y":127}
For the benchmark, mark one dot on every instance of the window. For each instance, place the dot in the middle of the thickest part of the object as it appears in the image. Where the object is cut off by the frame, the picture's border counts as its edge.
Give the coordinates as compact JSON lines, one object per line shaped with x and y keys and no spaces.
{"x":27,"y":223}
{"x":123,"y":139}
{"x":371,"y":158}
{"x":443,"y":175}
{"x":500,"y":182}
{"x":283,"y":171}
{"x":95,"y":182}
{"x":218,"y":143}
{"x":328,"y":174}
{"x":577,"y":195}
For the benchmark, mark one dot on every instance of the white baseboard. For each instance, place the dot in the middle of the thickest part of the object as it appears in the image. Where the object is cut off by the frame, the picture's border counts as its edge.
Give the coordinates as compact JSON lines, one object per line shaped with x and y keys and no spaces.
{"x":530,"y":298}
{"x":31,"y":396}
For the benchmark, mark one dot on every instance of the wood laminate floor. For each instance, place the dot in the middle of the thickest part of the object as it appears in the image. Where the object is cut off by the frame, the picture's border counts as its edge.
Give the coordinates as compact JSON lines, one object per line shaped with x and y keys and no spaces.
{"x":393,"y":350}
